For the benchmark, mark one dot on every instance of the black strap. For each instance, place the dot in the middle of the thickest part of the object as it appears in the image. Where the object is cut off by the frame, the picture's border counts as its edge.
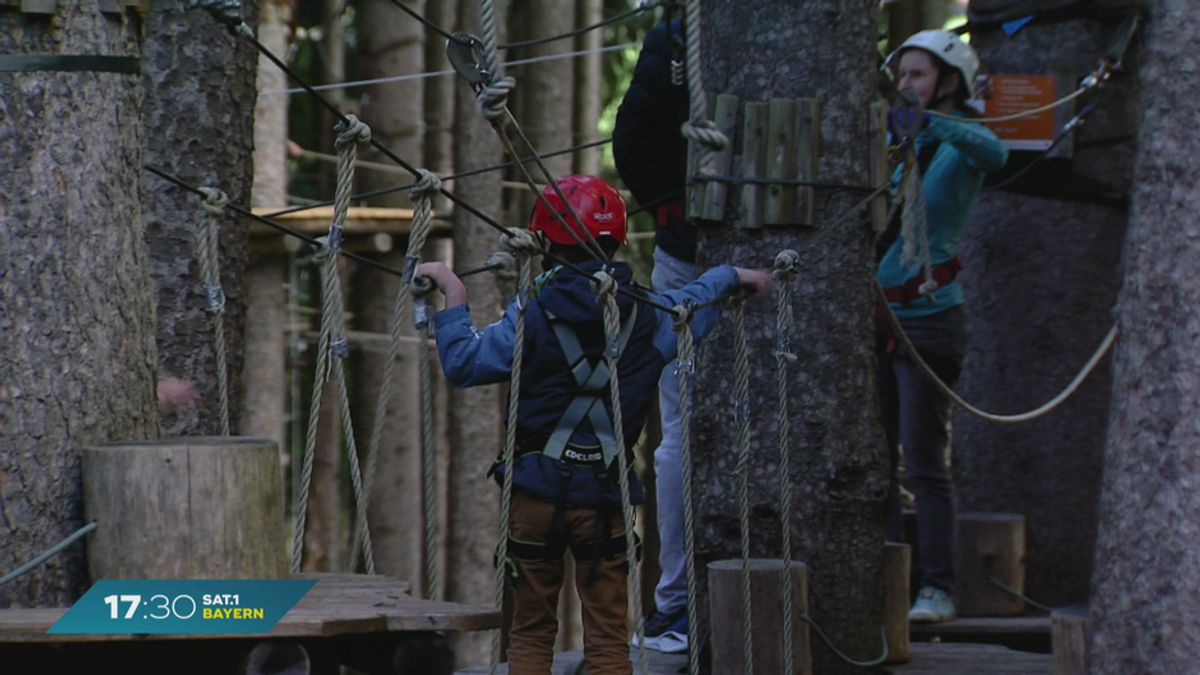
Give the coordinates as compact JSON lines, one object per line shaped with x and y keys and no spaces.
{"x":70,"y":63}
{"x":527,"y":550}
{"x":606,"y":549}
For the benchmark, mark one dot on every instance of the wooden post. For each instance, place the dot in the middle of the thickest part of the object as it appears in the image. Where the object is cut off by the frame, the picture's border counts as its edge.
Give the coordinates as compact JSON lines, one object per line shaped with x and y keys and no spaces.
{"x":990,"y":545}
{"x":1068,"y":635}
{"x":754,"y":165}
{"x":715,"y":192}
{"x":781,"y":161}
{"x":879,"y":164}
{"x":897,"y":563}
{"x":766,"y":615}
{"x":185,"y":508}
{"x":808,"y":153}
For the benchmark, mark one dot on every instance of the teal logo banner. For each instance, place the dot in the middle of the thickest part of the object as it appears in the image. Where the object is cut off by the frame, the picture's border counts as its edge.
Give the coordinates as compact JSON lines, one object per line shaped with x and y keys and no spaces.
{"x":236,"y":606}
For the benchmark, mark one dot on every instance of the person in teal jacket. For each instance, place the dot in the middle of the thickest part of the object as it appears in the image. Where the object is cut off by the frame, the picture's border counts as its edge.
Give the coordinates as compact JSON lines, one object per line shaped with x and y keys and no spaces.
{"x":918,"y":273}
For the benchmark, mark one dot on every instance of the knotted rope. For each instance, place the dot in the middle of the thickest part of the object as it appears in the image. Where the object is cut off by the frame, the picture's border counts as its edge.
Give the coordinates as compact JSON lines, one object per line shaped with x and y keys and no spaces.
{"x":518,"y":240}
{"x":784,"y":272}
{"x":605,"y":287}
{"x":699,"y":128}
{"x":914,"y":225}
{"x":208,"y":255}
{"x":685,"y":366}
{"x":741,"y":409}
{"x":421,"y":194}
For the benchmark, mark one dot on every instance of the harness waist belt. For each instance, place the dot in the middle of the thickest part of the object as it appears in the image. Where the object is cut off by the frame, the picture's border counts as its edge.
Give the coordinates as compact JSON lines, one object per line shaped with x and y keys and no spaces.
{"x":910,"y":291}
{"x":666,"y":212}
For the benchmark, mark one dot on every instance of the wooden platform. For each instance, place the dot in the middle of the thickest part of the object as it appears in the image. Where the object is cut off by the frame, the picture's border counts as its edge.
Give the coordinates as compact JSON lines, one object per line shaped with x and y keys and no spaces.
{"x":340,"y":604}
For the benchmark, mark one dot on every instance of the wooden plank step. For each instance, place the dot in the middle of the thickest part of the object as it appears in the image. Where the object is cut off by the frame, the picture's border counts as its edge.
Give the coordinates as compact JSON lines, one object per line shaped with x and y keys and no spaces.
{"x":962,"y":658}
{"x":980,"y":626}
{"x":565,"y":663}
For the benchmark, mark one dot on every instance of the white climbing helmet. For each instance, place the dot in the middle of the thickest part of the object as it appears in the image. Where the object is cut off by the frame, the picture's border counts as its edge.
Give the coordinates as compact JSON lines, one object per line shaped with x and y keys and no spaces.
{"x":947,"y":47}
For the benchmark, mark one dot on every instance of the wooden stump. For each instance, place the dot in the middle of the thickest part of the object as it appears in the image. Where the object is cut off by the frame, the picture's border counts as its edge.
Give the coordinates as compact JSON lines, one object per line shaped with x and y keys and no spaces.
{"x":990,"y":545}
{"x":766,"y":616}
{"x":185,"y":508}
{"x":897,"y":563}
{"x":1068,"y":634}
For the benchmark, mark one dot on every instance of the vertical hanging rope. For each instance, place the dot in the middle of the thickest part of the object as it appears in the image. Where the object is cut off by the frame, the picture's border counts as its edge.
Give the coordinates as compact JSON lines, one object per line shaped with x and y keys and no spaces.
{"x":741,"y":409}
{"x":699,"y":128}
{"x":606,"y":293}
{"x":421,"y":194}
{"x":320,"y":376}
{"x":784,"y":272}
{"x":208,"y":254}
{"x":428,"y":461}
{"x":685,"y":366}
{"x":914,"y":225}
{"x":521,"y":244}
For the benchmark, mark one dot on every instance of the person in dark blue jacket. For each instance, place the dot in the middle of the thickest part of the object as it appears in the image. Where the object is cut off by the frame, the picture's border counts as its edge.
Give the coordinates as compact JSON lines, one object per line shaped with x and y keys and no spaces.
{"x":651,"y":156}
{"x":565,"y":472}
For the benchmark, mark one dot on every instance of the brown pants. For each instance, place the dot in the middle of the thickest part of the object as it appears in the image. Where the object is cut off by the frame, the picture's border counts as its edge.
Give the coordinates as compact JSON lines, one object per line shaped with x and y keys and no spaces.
{"x":603,"y":594}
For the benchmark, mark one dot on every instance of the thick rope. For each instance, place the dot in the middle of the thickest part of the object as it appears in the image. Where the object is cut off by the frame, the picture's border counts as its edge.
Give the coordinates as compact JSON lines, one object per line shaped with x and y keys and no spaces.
{"x":525,"y":283}
{"x":699,"y":128}
{"x":685,"y":367}
{"x":784,"y":273}
{"x":1053,"y":403}
{"x":914,"y":228}
{"x":606,"y":293}
{"x":421,"y":193}
{"x":491,"y":59}
{"x":320,"y":376}
{"x":208,"y":254}
{"x":741,"y":410}
{"x":421,"y":320}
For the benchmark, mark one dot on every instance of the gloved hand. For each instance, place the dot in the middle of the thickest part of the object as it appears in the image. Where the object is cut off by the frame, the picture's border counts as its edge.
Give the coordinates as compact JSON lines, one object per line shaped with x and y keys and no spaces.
{"x":905,"y":122}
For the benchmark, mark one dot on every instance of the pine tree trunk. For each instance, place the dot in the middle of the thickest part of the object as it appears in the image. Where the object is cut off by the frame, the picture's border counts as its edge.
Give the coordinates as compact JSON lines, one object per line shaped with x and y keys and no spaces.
{"x":1040,"y":278}
{"x":546,"y":89}
{"x":826,"y":51}
{"x":1144,"y":617}
{"x":439,"y":97}
{"x":77,"y":361}
{"x":588,"y":84}
{"x":199,"y":116}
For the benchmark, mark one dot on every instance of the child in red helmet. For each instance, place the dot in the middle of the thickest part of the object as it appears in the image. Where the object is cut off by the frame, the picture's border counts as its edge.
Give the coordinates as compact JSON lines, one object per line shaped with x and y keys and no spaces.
{"x":565,"y":474}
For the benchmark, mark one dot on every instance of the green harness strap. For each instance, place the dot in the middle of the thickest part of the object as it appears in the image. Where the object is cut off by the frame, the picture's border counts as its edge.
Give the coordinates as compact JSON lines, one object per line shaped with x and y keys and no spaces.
{"x":591,"y":382}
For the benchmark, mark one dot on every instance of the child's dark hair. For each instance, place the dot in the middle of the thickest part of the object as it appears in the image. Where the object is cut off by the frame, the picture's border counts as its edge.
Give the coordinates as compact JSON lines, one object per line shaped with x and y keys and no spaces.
{"x":575,"y":254}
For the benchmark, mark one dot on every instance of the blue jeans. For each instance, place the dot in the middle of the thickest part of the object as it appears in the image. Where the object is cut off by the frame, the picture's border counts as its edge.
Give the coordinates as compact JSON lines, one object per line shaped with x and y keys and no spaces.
{"x":916,"y":415}
{"x":671,"y":594}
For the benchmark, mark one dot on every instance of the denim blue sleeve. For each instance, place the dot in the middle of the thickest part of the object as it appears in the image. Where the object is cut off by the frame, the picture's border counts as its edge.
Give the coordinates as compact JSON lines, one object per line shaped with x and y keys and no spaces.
{"x":711,"y":284}
{"x":983,"y":151}
{"x":472,"y":357}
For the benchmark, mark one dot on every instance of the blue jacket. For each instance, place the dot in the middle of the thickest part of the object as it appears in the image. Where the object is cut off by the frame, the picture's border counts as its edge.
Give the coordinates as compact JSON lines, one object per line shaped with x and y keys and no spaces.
{"x":475,"y":357}
{"x":966,"y":152}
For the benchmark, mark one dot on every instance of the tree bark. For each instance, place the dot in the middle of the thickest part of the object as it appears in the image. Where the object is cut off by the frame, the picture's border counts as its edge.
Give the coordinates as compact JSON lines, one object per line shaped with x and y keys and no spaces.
{"x":837,"y":449}
{"x":588,"y":98}
{"x":475,"y":424}
{"x":1143,"y":610}
{"x":1026,"y":346}
{"x":77,"y":364}
{"x":439,"y":98}
{"x":199,"y":119}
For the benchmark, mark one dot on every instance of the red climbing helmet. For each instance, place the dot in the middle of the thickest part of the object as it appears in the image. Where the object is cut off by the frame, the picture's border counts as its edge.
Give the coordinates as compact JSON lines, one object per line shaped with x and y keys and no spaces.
{"x":599,"y":205}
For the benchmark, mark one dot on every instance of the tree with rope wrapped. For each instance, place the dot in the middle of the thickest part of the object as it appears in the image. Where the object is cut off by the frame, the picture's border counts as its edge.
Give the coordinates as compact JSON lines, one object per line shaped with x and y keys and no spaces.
{"x":572,"y":480}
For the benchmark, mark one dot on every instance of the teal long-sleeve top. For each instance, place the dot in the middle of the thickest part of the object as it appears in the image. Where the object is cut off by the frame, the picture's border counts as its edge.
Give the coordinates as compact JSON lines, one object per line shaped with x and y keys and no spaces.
{"x":966,"y":152}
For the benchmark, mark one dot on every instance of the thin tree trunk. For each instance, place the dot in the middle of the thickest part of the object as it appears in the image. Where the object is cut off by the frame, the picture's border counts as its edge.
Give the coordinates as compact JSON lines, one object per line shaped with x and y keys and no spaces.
{"x":1144,"y":617}
{"x":1026,"y":346}
{"x":588,"y":101}
{"x":199,"y":118}
{"x":837,"y":449}
{"x":439,"y":96}
{"x":475,"y":421}
{"x":77,"y":361}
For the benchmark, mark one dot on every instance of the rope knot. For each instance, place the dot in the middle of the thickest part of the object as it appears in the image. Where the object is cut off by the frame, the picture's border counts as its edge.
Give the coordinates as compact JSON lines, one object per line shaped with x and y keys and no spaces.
{"x":427,"y":184}
{"x":493,"y":98}
{"x":215,"y":200}
{"x":785,"y":264}
{"x":603,"y":284}
{"x":682,"y":316}
{"x":506,"y":265}
{"x":352,"y":130}
{"x":705,"y":132}
{"x":520,"y":242}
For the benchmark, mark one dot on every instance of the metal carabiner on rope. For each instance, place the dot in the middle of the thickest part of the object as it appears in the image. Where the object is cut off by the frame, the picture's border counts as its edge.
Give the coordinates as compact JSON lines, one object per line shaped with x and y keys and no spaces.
{"x":465,"y":52}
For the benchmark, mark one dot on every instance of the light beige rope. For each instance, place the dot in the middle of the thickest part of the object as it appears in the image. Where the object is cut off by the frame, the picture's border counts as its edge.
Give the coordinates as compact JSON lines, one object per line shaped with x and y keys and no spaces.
{"x":685,"y":367}
{"x":208,"y":254}
{"x":741,"y":410}
{"x":784,"y":272}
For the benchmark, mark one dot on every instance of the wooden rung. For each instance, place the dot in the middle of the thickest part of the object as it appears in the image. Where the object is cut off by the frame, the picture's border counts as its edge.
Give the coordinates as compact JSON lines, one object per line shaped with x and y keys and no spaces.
{"x":879,"y":164}
{"x":754,"y":165}
{"x":808,"y":153}
{"x":715,"y":192}
{"x":780,"y":207}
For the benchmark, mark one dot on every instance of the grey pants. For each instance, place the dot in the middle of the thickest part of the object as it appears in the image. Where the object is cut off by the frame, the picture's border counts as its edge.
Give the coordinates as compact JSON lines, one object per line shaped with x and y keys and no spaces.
{"x":916,"y":416}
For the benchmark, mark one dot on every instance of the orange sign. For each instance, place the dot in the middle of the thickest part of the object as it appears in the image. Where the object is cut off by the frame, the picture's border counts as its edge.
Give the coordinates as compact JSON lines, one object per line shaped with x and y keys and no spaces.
{"x":1001,"y":95}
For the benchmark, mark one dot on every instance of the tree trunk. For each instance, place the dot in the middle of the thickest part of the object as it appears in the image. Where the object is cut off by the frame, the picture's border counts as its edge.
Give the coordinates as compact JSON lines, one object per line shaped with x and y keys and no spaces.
{"x":77,"y":364}
{"x":1143,"y":615}
{"x":475,"y":426}
{"x":588,"y":99}
{"x":837,"y":449}
{"x":199,"y":119}
{"x":1026,"y":346}
{"x":439,"y":98}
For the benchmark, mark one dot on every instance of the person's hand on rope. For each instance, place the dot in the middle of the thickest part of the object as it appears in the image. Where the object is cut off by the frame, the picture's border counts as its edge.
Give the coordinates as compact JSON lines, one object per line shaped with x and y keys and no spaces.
{"x":905,"y":122}
{"x":446,"y":281}
{"x":174,"y":393}
{"x":758,"y":279}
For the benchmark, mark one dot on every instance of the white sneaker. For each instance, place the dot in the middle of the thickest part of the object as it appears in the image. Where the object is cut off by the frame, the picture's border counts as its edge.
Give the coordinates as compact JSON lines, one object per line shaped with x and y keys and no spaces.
{"x":933,"y":605}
